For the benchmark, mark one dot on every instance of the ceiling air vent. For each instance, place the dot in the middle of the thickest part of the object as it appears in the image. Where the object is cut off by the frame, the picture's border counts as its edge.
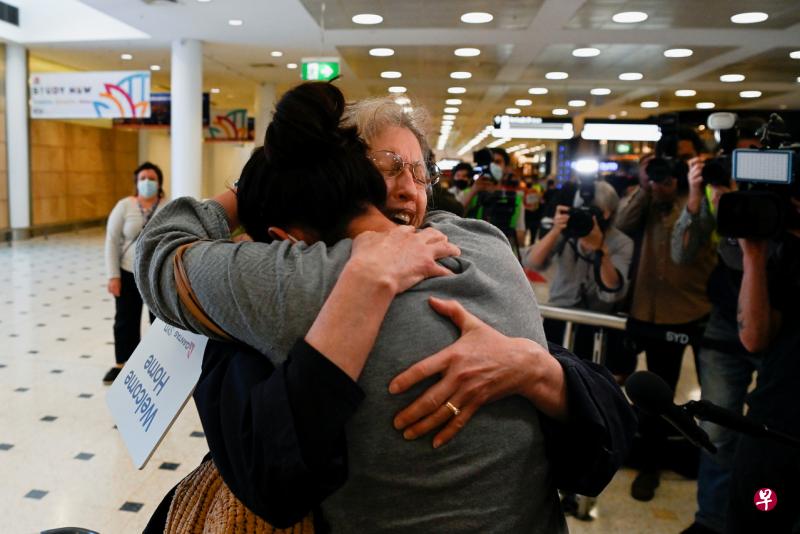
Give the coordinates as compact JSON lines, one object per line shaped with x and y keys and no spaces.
{"x":9,"y":14}
{"x":160,"y":1}
{"x":262,"y":65}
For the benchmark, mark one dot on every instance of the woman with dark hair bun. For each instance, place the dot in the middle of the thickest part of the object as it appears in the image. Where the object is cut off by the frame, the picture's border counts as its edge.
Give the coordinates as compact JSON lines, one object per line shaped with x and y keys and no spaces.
{"x":124,"y":225}
{"x":355,"y":281}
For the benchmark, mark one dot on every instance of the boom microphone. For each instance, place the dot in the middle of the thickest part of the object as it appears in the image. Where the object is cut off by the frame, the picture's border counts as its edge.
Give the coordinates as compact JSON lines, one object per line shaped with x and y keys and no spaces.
{"x":649,"y":392}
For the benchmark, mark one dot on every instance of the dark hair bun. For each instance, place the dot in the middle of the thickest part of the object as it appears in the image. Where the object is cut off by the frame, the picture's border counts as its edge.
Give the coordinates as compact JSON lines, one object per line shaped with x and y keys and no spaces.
{"x":312,"y":172}
{"x":307,"y":120}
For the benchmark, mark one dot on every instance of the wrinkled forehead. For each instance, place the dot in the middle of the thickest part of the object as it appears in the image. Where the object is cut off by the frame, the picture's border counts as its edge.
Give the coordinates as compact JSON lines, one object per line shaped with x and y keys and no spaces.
{"x":399,"y":140}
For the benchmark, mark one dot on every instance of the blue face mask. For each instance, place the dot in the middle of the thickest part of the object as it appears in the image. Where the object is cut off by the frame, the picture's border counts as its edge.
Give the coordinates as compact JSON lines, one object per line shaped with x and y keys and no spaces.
{"x":495,"y":171}
{"x":147,"y":188}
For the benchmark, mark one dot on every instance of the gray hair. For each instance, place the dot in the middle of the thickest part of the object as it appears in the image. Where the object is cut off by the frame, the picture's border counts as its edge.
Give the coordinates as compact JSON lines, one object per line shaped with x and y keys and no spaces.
{"x":372,"y":115}
{"x":605,"y":197}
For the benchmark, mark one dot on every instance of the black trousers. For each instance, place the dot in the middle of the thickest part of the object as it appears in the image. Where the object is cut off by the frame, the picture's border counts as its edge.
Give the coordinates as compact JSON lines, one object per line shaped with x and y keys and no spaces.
{"x":128,"y":318}
{"x":664,"y":358}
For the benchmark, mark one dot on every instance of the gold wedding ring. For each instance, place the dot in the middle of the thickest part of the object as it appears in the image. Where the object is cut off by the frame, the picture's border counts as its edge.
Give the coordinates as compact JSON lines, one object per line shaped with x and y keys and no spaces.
{"x":452,"y":408}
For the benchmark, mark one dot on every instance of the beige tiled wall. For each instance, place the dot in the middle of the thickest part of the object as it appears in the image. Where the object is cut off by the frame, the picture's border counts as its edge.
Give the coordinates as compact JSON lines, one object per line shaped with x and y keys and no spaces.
{"x":79,"y":172}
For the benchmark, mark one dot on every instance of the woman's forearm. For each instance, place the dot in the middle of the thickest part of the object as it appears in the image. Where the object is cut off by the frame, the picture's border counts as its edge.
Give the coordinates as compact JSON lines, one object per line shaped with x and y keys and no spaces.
{"x":545,"y":386}
{"x":541,"y":250}
{"x":347,"y":326}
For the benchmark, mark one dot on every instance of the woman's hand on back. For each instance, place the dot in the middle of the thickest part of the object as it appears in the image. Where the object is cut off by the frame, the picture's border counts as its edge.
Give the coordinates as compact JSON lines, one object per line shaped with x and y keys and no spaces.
{"x":482,"y":366}
{"x":401,"y":257}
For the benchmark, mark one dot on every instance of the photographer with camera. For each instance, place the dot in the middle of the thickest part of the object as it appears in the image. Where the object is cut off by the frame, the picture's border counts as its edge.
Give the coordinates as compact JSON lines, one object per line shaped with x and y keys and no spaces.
{"x":768,"y":320}
{"x":761,"y":224}
{"x":592,"y":262}
{"x":669,"y":305}
{"x":496,"y":196}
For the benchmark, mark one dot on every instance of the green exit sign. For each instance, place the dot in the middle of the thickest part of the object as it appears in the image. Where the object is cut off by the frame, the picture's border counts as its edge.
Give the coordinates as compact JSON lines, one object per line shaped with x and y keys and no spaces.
{"x":320,"y":69}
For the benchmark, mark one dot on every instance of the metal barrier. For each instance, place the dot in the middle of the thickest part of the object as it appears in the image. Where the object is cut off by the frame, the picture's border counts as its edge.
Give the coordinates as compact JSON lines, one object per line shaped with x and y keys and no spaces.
{"x":571,"y":317}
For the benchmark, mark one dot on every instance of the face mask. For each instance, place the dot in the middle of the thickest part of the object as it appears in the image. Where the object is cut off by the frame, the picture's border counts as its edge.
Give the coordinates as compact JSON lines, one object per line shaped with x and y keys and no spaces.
{"x":462,"y":184}
{"x":495,"y":171}
{"x":147,"y":188}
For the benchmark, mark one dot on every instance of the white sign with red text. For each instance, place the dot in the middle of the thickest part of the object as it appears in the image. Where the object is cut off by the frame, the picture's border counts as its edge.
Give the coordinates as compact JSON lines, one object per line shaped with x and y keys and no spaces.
{"x":153,"y":387}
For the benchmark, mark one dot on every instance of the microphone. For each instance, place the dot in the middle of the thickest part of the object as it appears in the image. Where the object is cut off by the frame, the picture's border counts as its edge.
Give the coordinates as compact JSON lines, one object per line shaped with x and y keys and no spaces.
{"x":649,"y":392}
{"x":708,"y":411}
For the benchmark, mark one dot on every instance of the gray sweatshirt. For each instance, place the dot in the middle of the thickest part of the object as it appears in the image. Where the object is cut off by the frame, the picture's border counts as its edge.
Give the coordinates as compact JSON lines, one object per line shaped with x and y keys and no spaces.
{"x":493,"y":477}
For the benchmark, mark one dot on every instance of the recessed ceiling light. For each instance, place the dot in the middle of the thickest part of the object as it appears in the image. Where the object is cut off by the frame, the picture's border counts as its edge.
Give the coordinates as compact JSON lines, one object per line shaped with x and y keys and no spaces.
{"x":556,"y":75}
{"x":685,"y":92}
{"x":453,"y":102}
{"x":467,"y":52}
{"x":408,"y":109}
{"x":449,"y":117}
{"x":126,"y":57}
{"x":235,"y":22}
{"x":649,"y":104}
{"x":586,"y":52}
{"x":749,"y":18}
{"x":560,"y":111}
{"x":403,"y":100}
{"x":381,"y":52}
{"x":367,"y":18}
{"x":155,"y":68}
{"x":612,"y":117}
{"x":600,"y":91}
{"x":704,"y":105}
{"x":276,"y":53}
{"x":795,"y":54}
{"x":750,"y":94}
{"x":678,"y":52}
{"x":397,"y":89}
{"x":461,"y":75}
{"x":623,"y":113}
{"x":456,"y":90}
{"x":203,"y":1}
{"x":798,"y":79}
{"x":576,"y":103}
{"x":537,"y":91}
{"x":513,"y":111}
{"x":215,"y":90}
{"x":631,"y":76}
{"x":391,"y":74}
{"x":451,"y":110}
{"x":629,"y":17}
{"x":731,"y":78}
{"x":291,"y":66}
{"x":523,"y":102}
{"x":477,"y":17}
{"x":445,"y":120}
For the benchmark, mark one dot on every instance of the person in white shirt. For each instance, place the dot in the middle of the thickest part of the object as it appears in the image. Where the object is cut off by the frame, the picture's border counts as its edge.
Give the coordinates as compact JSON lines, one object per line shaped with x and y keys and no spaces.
{"x":125,"y":223}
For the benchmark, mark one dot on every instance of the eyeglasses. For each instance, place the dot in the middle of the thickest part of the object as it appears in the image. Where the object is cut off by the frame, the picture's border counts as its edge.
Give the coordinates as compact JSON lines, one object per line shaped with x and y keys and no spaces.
{"x":391,"y":165}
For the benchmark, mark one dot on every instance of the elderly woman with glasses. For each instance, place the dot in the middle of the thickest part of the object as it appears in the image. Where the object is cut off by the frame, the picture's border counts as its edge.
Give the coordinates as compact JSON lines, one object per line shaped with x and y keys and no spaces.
{"x":544,"y":421}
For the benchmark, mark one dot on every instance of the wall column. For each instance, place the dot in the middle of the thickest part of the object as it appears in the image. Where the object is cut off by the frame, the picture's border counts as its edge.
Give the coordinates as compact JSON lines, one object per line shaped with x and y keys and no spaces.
{"x":186,"y":128}
{"x":265,"y":102}
{"x":17,"y":140}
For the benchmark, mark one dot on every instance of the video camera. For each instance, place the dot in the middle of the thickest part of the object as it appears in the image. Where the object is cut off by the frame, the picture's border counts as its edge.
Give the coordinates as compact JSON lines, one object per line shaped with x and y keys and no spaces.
{"x":767,"y":179}
{"x":483,"y":160}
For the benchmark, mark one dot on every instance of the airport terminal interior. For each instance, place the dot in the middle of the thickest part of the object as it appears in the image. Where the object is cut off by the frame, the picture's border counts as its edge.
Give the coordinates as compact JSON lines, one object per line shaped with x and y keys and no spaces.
{"x":640,"y":157}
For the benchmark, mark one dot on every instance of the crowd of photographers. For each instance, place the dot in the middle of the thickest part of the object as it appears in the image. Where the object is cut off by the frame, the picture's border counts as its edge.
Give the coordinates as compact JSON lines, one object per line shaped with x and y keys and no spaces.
{"x":692,"y":257}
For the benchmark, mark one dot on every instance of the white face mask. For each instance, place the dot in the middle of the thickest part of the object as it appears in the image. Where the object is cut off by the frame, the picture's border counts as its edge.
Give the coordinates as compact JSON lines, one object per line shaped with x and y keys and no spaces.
{"x":496,"y":171}
{"x":147,"y":188}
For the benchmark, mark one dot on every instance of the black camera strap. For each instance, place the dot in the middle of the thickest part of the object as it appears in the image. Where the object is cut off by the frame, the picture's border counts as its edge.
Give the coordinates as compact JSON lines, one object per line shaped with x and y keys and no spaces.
{"x":596,"y":260}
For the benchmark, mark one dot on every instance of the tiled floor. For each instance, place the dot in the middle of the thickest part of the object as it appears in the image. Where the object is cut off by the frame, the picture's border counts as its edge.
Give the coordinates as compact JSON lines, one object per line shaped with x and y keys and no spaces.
{"x":62,"y":463}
